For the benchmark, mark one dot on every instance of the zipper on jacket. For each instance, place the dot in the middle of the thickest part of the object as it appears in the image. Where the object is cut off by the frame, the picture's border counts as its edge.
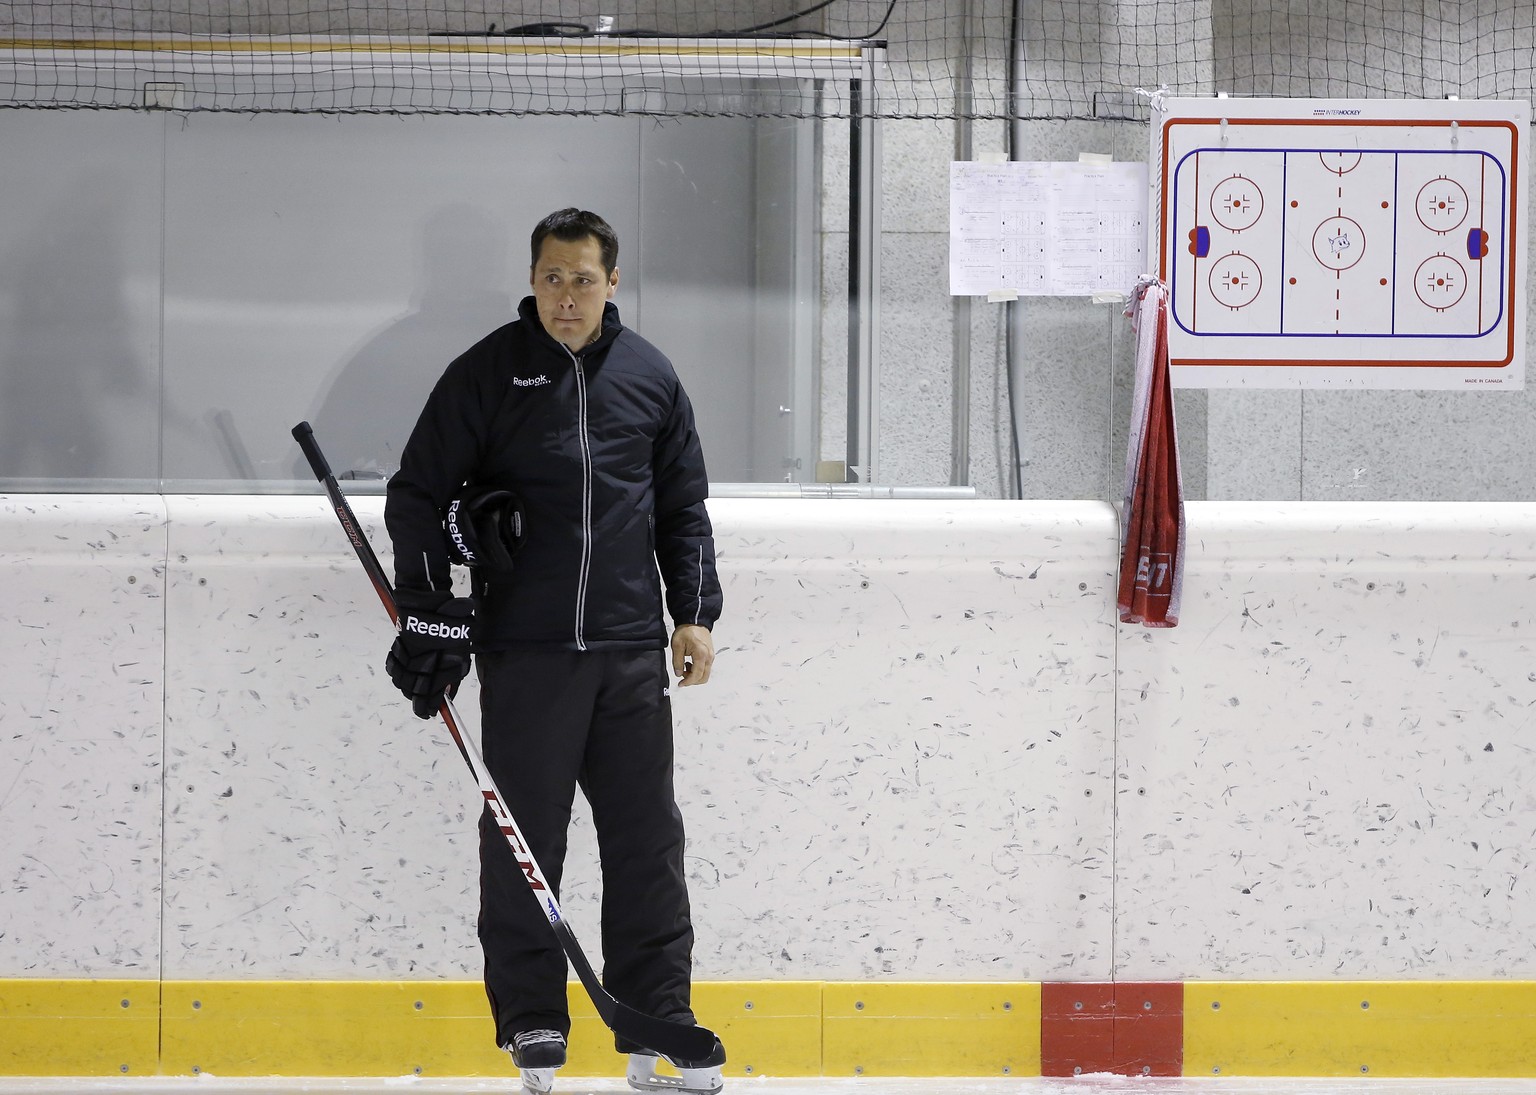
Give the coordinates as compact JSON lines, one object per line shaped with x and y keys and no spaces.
{"x":586,"y":497}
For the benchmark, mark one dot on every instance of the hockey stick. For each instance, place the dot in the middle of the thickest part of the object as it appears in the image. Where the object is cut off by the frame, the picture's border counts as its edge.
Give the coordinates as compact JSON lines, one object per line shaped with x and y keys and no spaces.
{"x":674,"y":1041}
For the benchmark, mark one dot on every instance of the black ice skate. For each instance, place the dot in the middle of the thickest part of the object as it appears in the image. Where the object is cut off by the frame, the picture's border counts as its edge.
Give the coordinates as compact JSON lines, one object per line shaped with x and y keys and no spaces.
{"x":538,"y":1053}
{"x":701,"y":1077}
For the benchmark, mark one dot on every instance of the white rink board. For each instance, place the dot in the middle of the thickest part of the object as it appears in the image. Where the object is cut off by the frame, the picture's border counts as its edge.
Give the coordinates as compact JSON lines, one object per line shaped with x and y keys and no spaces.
{"x":314,"y":826}
{"x":901,"y":766}
{"x":902,"y":769}
{"x":81,"y":735}
{"x":1325,"y":769}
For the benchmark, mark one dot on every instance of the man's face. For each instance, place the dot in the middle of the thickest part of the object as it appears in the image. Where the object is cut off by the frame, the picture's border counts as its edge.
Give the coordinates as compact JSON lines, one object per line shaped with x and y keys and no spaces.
{"x":570,"y":288}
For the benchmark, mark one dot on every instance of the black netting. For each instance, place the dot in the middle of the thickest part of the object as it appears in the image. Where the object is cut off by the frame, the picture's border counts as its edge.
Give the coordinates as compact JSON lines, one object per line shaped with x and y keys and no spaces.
{"x":912,"y":58}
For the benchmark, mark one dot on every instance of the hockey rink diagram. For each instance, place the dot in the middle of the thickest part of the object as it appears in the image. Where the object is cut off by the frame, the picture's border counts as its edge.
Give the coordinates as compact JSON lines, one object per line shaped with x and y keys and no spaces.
{"x":1343,"y":243}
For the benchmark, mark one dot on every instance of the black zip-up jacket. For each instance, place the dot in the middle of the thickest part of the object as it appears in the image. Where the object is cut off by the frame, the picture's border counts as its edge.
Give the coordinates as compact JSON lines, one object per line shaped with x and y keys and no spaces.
{"x":600,"y":446}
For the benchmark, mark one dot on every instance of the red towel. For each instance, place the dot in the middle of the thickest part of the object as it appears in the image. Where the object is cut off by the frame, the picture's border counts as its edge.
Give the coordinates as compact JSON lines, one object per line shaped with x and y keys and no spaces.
{"x":1152,"y":522}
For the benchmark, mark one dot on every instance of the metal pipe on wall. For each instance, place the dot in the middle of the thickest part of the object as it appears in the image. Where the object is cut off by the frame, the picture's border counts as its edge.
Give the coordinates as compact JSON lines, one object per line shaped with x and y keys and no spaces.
{"x":960,"y":306}
{"x":863,"y":282}
{"x":1014,"y":338}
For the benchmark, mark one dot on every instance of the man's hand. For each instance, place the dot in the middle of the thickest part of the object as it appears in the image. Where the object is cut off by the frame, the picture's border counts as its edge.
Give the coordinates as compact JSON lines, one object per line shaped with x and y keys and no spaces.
{"x":693,"y":653}
{"x":430,"y":655}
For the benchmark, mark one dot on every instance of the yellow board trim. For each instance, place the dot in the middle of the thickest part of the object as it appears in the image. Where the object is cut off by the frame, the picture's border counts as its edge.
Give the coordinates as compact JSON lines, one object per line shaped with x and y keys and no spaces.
{"x":1360,"y":1028}
{"x":79,"y":1028}
{"x":327,"y":1028}
{"x":768,"y":1028}
{"x":400,"y":1028}
{"x":929,"y":1029}
{"x":437,"y":1029}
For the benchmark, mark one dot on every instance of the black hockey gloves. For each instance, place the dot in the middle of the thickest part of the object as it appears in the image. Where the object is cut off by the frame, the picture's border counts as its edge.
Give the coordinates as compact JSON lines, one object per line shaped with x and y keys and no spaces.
{"x":484,"y":526}
{"x":431,"y":654}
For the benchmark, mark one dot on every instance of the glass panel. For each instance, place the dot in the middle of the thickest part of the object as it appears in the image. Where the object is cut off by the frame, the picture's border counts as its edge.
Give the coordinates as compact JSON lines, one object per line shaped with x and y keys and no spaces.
{"x":330,"y":269}
{"x":79,"y":300}
{"x":723,"y":283}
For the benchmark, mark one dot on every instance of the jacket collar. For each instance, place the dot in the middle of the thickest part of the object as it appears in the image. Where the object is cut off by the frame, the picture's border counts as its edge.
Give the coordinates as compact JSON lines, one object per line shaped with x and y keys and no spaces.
{"x":528,"y":311}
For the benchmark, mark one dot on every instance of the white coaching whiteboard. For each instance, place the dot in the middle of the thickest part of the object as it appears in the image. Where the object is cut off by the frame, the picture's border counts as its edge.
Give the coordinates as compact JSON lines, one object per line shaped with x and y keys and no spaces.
{"x":1343,"y":243}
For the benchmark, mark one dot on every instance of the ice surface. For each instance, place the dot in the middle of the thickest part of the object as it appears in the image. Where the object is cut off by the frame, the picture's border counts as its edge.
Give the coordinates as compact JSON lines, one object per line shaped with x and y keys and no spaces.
{"x":1097,"y":1084}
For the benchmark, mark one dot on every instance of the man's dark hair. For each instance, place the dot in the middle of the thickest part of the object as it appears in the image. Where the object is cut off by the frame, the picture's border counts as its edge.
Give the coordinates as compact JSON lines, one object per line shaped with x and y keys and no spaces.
{"x":573,"y":225}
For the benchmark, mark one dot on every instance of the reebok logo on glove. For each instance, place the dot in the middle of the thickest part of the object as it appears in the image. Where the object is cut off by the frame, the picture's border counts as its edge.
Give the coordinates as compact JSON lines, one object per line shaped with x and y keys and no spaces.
{"x":456,"y":534}
{"x":431,"y":654}
{"x":435,"y":629}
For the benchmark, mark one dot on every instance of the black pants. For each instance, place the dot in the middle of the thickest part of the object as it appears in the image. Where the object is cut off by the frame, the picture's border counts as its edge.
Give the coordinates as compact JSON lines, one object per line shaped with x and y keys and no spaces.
{"x":552,"y":720}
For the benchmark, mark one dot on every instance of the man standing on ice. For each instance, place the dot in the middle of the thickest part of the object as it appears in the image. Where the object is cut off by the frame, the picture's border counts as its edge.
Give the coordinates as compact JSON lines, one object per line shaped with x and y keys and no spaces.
{"x":566,"y":440}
